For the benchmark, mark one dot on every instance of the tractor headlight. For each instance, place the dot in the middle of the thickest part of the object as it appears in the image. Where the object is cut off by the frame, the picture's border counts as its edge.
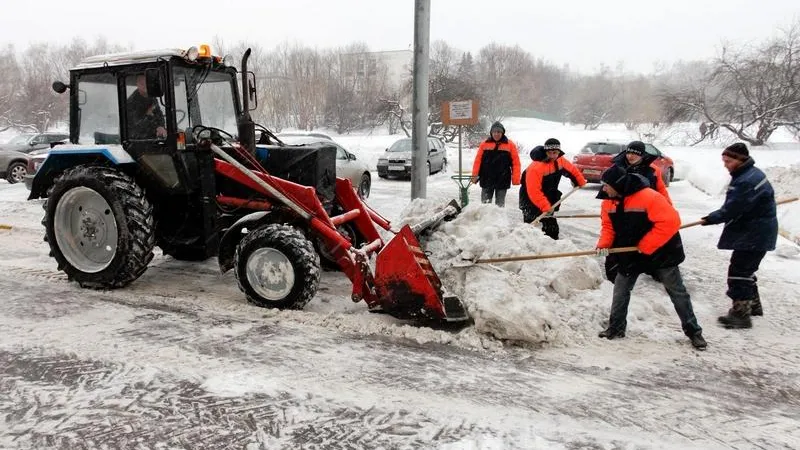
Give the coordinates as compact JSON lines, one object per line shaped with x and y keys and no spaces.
{"x":227,"y":61}
{"x":192,"y":53}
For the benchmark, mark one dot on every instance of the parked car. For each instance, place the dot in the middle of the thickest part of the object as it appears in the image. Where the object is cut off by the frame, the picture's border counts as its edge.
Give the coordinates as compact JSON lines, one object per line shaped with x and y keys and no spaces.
{"x":347,"y":165}
{"x":13,"y":165}
{"x":595,"y":157}
{"x":28,"y":142}
{"x":35,"y":160}
{"x":396,"y":161}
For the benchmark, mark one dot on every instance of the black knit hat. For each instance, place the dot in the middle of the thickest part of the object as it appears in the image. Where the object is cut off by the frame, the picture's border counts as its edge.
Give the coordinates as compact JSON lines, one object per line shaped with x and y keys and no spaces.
{"x":497,"y":125}
{"x":737,"y":151}
{"x":614,"y":176}
{"x":636,"y":147}
{"x":552,"y":144}
{"x":537,"y":149}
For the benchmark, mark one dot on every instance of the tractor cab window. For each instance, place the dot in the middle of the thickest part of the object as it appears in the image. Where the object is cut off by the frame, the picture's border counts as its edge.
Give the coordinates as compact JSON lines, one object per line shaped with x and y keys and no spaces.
{"x":144,"y":114}
{"x":204,"y":98}
{"x":98,"y":109}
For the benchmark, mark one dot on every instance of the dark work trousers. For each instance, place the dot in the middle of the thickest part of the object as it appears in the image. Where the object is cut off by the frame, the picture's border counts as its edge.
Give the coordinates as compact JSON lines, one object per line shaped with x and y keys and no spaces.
{"x":673,"y":284}
{"x":742,"y":274}
{"x":499,"y":196}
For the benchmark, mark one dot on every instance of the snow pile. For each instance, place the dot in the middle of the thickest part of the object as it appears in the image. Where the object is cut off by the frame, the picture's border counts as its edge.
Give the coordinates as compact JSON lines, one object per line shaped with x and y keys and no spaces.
{"x":532,"y":301}
{"x":786,"y":182}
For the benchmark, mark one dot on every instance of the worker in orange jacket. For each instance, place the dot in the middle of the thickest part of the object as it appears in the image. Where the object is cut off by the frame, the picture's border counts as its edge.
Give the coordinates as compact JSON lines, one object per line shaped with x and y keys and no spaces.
{"x":636,"y":159}
{"x":634,"y":215}
{"x":496,"y":166}
{"x":541,"y":184}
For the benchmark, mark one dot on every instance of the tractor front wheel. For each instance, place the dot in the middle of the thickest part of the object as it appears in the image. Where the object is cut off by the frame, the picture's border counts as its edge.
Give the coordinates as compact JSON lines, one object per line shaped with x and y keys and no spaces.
{"x":276,"y":266}
{"x":99,"y":225}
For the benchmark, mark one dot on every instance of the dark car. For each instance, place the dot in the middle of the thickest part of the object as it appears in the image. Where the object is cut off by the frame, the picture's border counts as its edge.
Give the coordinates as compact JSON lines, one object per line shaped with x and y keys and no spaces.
{"x":396,"y":162}
{"x":28,"y":142}
{"x":595,"y":157}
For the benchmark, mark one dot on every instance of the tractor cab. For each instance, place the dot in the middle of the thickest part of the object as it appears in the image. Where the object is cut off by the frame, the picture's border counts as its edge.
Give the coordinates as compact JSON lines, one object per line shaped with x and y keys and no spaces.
{"x":149,"y":104}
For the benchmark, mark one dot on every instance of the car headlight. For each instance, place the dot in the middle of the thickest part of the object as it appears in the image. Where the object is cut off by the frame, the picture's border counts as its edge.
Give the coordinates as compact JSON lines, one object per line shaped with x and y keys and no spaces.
{"x":383,"y":161}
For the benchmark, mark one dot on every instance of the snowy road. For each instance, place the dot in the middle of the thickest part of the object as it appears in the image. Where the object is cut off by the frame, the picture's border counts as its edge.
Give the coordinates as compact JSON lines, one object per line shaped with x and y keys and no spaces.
{"x":180,"y":360}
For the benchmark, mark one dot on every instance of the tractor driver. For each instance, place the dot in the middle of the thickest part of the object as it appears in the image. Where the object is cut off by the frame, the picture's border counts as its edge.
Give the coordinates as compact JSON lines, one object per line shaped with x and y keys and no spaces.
{"x":145,"y":119}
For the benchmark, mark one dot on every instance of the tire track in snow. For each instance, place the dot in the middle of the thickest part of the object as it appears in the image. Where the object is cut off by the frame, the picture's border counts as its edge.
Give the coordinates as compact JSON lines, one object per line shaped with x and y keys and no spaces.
{"x":124,"y":407}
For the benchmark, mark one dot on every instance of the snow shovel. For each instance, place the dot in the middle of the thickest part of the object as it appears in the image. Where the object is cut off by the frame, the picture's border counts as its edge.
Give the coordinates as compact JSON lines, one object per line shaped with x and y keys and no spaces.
{"x":779,"y":202}
{"x":555,"y":205}
{"x":687,"y":225}
{"x":465,"y":262}
{"x":576,"y":216}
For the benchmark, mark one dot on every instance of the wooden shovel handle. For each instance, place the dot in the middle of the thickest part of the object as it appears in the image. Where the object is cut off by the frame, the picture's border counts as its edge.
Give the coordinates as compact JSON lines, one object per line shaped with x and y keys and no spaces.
{"x":553,"y":255}
{"x":555,"y":205}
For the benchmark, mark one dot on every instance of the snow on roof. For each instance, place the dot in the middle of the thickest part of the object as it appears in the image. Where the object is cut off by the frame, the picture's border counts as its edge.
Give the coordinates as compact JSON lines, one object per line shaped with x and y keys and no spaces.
{"x":116,"y":59}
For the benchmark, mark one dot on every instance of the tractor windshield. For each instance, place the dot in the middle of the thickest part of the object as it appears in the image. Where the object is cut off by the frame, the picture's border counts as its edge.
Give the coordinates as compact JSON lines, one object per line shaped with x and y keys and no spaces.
{"x":206,"y":98}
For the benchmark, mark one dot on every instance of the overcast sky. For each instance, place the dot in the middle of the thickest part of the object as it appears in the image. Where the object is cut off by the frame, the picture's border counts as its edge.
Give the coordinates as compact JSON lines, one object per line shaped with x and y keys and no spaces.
{"x":583,"y":34}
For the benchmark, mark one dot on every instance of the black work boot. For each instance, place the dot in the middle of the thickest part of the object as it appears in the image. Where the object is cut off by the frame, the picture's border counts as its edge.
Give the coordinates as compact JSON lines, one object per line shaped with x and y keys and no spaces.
{"x":609,"y":333}
{"x":697,"y":341}
{"x":738,"y":316}
{"x":755,"y":307}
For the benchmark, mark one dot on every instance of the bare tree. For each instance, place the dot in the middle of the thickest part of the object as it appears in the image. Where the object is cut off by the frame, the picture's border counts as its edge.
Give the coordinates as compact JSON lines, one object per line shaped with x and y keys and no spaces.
{"x":592,"y":99}
{"x":750,"y":92}
{"x":503,"y":75}
{"x":390,"y":112}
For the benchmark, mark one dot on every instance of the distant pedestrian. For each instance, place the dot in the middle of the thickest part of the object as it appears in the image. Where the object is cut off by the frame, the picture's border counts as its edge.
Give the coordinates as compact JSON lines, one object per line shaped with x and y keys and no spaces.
{"x":703,"y":130}
{"x":634,"y":215}
{"x":496,"y":166}
{"x":713,"y":129}
{"x":751,"y":230}
{"x":542,"y":178}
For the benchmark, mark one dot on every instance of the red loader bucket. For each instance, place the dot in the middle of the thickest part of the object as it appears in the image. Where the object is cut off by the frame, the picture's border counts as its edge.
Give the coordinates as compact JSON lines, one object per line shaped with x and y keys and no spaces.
{"x":408,"y":287}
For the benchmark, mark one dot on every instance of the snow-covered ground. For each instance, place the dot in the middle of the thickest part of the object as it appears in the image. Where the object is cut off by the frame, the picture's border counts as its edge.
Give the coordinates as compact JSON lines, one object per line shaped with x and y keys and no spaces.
{"x":180,"y":360}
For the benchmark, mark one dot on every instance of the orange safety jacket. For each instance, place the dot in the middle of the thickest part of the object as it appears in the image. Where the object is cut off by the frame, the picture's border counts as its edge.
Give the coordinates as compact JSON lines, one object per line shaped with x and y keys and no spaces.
{"x":542,"y":178}
{"x":646,"y":220}
{"x":497,"y":164}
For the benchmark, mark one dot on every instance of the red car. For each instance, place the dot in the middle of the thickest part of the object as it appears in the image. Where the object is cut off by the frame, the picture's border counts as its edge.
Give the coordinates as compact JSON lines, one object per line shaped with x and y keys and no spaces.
{"x":595,"y":157}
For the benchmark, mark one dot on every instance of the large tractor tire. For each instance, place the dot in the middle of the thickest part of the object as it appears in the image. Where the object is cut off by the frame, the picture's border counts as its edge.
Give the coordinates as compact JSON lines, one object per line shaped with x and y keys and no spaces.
{"x":276,"y":266}
{"x":99,"y":225}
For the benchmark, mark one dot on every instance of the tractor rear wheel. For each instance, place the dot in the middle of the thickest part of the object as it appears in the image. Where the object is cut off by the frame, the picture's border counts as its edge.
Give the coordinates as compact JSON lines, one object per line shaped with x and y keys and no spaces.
{"x":99,"y":225}
{"x":276,"y":266}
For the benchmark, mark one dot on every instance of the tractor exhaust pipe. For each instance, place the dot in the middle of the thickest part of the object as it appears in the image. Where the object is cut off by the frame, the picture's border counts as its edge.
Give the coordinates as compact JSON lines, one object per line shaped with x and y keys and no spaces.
{"x":245,"y":124}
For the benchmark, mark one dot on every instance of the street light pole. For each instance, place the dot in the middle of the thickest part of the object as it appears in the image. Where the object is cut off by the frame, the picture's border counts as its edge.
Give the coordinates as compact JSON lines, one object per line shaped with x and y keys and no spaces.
{"x":419,"y":115}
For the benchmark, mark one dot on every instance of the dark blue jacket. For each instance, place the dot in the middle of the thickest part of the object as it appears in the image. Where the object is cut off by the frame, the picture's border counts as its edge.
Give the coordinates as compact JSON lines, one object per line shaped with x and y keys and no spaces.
{"x":749,"y":213}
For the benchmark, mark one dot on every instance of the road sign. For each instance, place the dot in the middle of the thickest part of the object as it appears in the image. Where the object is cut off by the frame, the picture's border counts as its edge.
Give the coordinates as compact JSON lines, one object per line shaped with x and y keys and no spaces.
{"x":463,"y":112}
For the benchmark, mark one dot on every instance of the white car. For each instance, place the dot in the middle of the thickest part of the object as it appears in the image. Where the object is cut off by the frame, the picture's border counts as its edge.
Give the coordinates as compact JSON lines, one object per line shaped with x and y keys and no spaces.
{"x":347,"y":165}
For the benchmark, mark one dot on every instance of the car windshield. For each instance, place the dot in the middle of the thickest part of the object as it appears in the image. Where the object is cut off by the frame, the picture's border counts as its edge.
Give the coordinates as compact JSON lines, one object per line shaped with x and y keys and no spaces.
{"x":21,"y":139}
{"x":403,"y":145}
{"x":599,"y":148}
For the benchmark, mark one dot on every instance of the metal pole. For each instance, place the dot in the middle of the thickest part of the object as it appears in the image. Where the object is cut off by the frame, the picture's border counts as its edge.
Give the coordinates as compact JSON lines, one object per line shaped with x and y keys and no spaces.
{"x":459,"y":150}
{"x":419,"y":114}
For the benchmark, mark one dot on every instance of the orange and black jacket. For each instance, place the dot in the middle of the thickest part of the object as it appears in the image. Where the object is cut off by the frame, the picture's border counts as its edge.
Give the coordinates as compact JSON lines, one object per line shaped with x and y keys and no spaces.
{"x":497,"y":164}
{"x":542,"y":178}
{"x":642,"y":218}
{"x":648,"y":169}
